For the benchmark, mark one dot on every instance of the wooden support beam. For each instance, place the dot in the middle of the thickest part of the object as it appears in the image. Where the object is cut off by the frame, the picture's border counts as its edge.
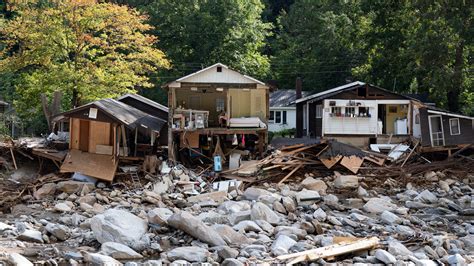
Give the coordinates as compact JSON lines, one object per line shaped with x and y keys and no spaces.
{"x":290,"y":174}
{"x":409,"y":155}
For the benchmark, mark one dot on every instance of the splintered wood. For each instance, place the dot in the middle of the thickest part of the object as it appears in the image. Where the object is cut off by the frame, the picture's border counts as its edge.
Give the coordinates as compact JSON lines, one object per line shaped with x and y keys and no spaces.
{"x":296,"y":160}
{"x":344,"y":247}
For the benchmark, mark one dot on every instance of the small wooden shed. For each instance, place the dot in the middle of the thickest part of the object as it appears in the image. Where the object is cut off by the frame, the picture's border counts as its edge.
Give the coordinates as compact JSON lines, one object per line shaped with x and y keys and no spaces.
{"x":104,"y":131}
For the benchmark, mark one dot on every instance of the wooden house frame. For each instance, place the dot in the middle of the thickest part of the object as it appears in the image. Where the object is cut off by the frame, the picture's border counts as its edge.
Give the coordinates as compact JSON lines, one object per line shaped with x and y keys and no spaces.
{"x":209,"y":93}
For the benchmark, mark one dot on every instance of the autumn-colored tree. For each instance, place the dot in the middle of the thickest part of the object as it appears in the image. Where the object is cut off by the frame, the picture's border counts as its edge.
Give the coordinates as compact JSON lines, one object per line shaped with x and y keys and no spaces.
{"x":83,"y":48}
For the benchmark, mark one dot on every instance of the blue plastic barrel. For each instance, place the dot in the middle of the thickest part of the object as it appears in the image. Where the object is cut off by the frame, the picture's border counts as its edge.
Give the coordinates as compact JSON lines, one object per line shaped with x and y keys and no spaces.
{"x":217,"y":163}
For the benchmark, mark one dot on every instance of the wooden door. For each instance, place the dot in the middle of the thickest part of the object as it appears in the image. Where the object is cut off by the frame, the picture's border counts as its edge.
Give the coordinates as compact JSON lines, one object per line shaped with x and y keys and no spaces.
{"x":84,"y":136}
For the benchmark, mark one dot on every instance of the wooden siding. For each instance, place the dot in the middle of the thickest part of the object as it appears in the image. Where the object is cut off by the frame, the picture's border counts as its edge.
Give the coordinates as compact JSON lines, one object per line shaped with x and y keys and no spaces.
{"x":145,"y":108}
{"x":425,"y":128}
{"x":466,"y":128}
{"x":299,"y":120}
{"x":372,"y":94}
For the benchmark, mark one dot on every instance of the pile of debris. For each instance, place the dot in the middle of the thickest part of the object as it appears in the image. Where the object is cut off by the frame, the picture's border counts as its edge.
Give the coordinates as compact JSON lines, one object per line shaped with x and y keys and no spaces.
{"x":184,"y":216}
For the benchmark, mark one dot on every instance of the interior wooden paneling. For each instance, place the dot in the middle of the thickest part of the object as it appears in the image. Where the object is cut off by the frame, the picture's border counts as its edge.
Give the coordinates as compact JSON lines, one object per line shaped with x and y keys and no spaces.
{"x":99,"y":133}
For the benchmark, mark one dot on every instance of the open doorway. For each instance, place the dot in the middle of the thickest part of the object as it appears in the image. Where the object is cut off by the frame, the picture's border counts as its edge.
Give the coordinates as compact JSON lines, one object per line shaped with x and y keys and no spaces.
{"x":381,"y":119}
{"x":436,"y":130}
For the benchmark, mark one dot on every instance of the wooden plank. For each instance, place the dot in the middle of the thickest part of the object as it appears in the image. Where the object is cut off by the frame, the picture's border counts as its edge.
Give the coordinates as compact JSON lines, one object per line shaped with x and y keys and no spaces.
{"x":302,"y":149}
{"x":330,"y":162}
{"x":377,"y":161}
{"x":352,"y":163}
{"x":189,"y":139}
{"x":330,"y":251}
{"x":95,"y":165}
{"x":99,"y":135}
{"x":409,"y":155}
{"x":75,"y":133}
{"x":290,"y":174}
{"x":285,"y":148}
{"x":13,"y":158}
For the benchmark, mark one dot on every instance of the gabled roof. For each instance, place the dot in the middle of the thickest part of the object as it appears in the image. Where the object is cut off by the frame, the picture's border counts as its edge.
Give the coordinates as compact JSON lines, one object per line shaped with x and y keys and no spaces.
{"x":122,"y":113}
{"x":330,"y":92}
{"x":210,"y":75}
{"x":284,"y":98}
{"x":144,"y":100}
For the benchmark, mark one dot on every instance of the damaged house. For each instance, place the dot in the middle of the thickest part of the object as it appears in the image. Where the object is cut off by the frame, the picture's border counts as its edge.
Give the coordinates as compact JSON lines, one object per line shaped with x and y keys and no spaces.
{"x":106,"y":131}
{"x":361,"y":114}
{"x":216,"y":109}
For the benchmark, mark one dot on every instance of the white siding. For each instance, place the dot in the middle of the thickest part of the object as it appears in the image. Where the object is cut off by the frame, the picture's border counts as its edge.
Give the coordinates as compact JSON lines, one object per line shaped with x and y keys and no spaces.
{"x":350,"y":125}
{"x":211,"y":75}
{"x":290,"y":119}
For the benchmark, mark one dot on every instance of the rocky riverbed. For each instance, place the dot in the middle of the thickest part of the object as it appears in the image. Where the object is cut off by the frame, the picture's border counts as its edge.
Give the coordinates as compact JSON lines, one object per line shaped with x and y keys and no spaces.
{"x":426,"y":220}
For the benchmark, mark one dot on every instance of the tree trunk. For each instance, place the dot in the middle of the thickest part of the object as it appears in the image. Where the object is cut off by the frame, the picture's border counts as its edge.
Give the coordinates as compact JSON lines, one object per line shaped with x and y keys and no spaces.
{"x":75,"y":98}
{"x":454,"y":92}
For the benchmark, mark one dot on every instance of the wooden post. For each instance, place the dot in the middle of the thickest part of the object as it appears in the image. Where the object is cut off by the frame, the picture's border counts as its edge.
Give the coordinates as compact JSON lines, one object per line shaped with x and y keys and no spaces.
{"x":136,"y":141}
{"x":171,"y":107}
{"x":114,"y":146}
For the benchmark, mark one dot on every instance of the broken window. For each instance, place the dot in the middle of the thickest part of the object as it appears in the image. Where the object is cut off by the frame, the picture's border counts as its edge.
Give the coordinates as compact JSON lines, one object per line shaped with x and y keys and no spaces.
{"x":362,"y":91}
{"x":454,"y":126}
{"x":219,"y":69}
{"x":364,"y":112}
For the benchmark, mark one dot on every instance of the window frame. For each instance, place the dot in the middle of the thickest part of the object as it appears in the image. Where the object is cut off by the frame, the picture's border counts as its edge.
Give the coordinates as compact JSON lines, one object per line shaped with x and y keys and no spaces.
{"x":276,"y":117}
{"x":218,"y":102}
{"x":270,"y":120}
{"x":319,"y":111}
{"x":451,"y":127}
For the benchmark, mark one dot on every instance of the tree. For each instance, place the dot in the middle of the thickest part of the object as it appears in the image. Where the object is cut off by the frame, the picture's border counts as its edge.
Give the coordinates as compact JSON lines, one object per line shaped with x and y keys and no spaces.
{"x":318,"y":41}
{"x":197,"y":33}
{"x":86,"y":50}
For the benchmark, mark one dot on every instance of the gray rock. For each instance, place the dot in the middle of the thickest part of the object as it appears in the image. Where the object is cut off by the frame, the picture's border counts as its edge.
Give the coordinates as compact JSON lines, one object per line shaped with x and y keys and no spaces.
{"x":232,"y":262}
{"x":307,"y":197}
{"x":282,"y":244}
{"x":238,"y":217}
{"x":186,"y":222}
{"x":426,"y":197}
{"x":99,"y":259}
{"x":289,"y":204}
{"x":31,"y":236}
{"x":47,"y":190}
{"x":315,"y":184}
{"x":320,"y":215}
{"x":17,"y":259}
{"x":398,"y":249}
{"x":290,"y":230}
{"x":278,"y":206}
{"x":266,"y":226}
{"x":191,"y":254}
{"x":119,"y":251}
{"x":346,"y":181}
{"x":233,"y":206}
{"x":159,"y":216}
{"x":390,"y":218}
{"x":119,"y":226}
{"x":456,"y":259}
{"x":248,"y":226}
{"x":62,"y":207}
{"x":378,"y":205}
{"x":444,"y":185}
{"x":60,"y":231}
{"x":226,"y":252}
{"x":261,"y":211}
{"x":385,"y":257}
{"x":362,"y":192}
{"x":230,"y":236}
{"x":253,"y":193}
{"x":73,"y":186}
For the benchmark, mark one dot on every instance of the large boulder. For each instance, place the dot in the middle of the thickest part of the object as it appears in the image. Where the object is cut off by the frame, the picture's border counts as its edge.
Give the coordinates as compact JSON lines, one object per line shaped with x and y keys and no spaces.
{"x":60,"y":231}
{"x":385,"y":257}
{"x":31,"y":236}
{"x":346,"y":181}
{"x":119,"y":251}
{"x":282,"y":244}
{"x":74,"y":186}
{"x":230,"y":235}
{"x":119,"y":226}
{"x":191,"y":254}
{"x":261,"y":211}
{"x":159,"y":216}
{"x":186,"y":222}
{"x":253,"y":193}
{"x":379,"y":205}
{"x":314,"y":184}
{"x":99,"y":259}
{"x":47,"y":190}
{"x":17,"y":259}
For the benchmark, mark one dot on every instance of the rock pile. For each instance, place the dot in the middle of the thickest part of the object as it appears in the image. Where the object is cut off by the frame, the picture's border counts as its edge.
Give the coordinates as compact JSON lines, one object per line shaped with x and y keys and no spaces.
{"x":426,"y":224}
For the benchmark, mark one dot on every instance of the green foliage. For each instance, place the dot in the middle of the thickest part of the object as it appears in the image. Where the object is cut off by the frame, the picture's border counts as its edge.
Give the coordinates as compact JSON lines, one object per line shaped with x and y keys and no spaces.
{"x":198,"y":33}
{"x":287,"y":132}
{"x":85,"y":49}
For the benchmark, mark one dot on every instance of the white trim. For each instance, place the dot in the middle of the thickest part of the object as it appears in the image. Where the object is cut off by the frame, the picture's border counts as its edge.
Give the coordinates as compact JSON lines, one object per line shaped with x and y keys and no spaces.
{"x":282,"y":108}
{"x":431,"y":133}
{"x":451,"y":127}
{"x":221,"y":65}
{"x":450,"y":114}
{"x":321,"y":110}
{"x":356,"y":83}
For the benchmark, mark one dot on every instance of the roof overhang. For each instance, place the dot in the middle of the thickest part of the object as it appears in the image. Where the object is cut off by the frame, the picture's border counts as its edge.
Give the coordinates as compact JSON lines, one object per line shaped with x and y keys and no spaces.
{"x":449,"y":114}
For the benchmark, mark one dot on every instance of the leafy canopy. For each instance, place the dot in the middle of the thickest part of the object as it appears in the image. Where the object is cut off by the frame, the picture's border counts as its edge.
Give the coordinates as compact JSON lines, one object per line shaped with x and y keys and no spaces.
{"x":85,"y":49}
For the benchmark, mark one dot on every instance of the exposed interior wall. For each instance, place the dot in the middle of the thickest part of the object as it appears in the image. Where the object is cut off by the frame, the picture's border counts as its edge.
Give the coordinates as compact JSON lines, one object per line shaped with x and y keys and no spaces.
{"x":203,"y":99}
{"x":74,"y":133}
{"x":248,"y":103}
{"x":401,"y":112}
{"x":99,"y":134}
